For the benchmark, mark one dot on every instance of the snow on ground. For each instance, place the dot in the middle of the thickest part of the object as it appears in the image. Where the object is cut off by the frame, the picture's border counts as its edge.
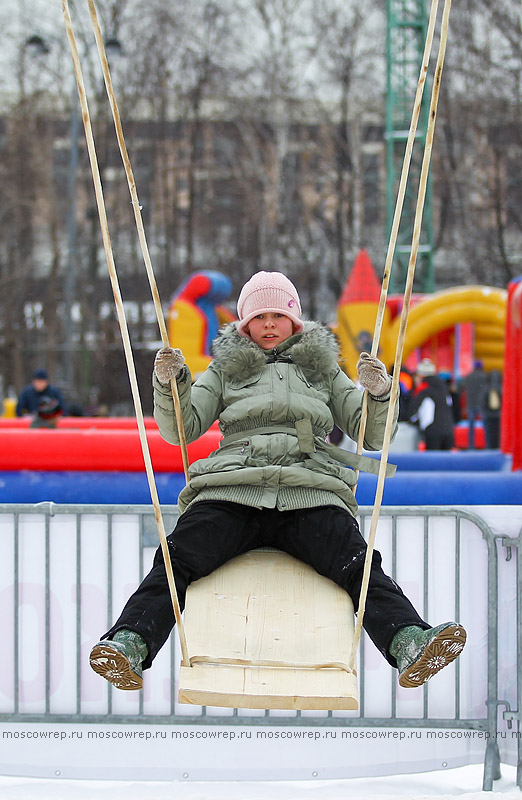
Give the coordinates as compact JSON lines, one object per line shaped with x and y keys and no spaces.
{"x":464,"y":783}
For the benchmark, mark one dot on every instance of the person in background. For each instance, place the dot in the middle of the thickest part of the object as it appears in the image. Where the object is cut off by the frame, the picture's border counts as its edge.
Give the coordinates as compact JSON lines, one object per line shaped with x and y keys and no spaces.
{"x":39,"y":388}
{"x":431,"y":408}
{"x":47,"y":414}
{"x":491,"y":406}
{"x":453,"y":389}
{"x":474,"y":386}
{"x":405,"y":393}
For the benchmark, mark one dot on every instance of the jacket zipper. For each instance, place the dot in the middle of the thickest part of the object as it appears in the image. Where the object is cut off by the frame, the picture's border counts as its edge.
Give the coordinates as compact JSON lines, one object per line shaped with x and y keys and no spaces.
{"x":243,"y":445}
{"x":275,"y":364}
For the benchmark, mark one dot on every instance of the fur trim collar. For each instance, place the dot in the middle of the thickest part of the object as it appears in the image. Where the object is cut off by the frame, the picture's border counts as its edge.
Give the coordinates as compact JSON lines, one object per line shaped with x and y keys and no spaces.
{"x":315,"y":351}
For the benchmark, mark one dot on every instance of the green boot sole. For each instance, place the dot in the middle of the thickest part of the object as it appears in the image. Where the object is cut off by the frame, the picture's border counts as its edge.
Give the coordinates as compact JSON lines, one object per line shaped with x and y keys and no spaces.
{"x":446,"y":644}
{"x":108,"y":660}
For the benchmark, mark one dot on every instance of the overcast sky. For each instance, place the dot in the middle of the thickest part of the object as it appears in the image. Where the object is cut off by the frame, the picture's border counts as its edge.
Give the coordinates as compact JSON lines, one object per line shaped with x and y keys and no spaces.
{"x":20,"y":15}
{"x":20,"y":19}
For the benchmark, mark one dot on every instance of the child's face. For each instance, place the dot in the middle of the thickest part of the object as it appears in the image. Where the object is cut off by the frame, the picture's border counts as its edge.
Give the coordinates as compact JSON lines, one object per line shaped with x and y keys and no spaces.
{"x":270,"y":329}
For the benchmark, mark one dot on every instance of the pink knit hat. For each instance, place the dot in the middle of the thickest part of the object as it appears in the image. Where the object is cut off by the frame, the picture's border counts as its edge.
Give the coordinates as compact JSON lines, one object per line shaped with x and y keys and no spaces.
{"x":268,"y":291}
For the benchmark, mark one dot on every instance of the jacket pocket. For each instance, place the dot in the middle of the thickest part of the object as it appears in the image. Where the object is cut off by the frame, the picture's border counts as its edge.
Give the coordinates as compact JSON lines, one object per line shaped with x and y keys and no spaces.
{"x":225,"y":459}
{"x":243,"y":383}
{"x":239,"y":392}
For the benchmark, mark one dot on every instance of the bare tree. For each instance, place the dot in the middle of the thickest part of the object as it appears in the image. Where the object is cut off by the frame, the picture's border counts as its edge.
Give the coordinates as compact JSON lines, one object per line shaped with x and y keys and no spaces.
{"x":478,"y":182}
{"x":255,"y":129}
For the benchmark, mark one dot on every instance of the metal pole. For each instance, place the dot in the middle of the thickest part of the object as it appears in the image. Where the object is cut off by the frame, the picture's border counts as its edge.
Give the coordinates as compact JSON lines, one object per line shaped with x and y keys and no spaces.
{"x":70,"y":276}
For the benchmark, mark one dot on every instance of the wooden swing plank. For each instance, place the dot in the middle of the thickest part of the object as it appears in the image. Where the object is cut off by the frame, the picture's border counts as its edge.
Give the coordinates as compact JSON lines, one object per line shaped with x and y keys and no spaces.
{"x":266,"y":606}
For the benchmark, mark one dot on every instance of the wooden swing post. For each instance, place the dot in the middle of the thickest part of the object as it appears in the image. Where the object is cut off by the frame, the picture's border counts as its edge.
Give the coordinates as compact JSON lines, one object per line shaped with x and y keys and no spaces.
{"x":423,"y":181}
{"x":139,"y":222}
{"x":123,"y":322}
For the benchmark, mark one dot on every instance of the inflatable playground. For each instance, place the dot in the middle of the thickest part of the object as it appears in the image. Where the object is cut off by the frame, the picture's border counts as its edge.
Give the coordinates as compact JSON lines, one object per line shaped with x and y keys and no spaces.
{"x":99,"y":460}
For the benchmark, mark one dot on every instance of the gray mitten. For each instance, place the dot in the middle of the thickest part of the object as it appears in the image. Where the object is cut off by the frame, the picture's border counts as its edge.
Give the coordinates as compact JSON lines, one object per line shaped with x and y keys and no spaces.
{"x":168,"y":364}
{"x":373,"y":376}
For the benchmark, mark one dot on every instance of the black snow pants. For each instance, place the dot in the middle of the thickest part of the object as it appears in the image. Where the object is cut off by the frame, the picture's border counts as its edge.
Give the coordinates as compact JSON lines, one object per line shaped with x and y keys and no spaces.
{"x":210,"y":533}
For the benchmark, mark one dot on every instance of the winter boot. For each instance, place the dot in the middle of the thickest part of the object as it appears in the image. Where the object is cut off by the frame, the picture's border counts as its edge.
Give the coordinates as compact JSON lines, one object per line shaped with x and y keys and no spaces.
{"x":119,"y":660}
{"x":421,"y":654}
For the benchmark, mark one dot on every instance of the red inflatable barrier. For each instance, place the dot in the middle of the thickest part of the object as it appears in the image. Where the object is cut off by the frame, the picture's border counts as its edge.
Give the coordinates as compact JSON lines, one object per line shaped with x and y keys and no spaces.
{"x":81,"y":422}
{"x":511,"y":418}
{"x":95,"y":450}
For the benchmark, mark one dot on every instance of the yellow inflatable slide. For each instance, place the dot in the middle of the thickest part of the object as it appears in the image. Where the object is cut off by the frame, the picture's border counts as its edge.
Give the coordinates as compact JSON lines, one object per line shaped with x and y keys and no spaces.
{"x":429,"y":316}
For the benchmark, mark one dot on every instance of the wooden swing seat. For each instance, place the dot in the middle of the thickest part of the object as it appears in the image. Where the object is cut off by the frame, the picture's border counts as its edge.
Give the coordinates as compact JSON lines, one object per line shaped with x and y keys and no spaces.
{"x":267,"y":631}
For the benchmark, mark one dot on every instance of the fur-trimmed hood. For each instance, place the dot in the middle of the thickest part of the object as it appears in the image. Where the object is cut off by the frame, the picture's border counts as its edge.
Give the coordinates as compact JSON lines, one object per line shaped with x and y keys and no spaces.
{"x":315,"y":352}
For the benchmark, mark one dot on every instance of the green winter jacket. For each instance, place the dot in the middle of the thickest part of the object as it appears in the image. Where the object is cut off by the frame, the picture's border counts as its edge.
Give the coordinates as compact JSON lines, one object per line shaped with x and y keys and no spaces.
{"x":275,"y":409}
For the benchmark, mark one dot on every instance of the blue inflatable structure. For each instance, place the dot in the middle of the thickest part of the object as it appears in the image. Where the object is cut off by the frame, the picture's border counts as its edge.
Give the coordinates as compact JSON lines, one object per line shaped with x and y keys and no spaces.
{"x":430,"y":478}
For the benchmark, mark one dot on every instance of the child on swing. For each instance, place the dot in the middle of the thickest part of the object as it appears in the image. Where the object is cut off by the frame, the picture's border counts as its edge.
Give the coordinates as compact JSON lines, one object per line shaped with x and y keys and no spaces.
{"x":276,"y":388}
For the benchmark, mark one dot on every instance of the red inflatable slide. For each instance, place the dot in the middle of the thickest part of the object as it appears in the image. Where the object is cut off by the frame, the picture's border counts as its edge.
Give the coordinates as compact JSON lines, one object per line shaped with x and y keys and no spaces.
{"x":101,"y":444}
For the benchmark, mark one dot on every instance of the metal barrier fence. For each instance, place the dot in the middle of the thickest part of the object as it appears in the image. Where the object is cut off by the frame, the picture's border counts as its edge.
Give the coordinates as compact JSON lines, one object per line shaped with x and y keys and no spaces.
{"x":66,"y":571}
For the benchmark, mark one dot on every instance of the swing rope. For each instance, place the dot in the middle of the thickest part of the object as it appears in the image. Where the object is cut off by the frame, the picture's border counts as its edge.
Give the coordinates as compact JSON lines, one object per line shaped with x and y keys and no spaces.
{"x":123,"y":325}
{"x":252,"y":662}
{"x":139,"y":221}
{"x":421,"y":195}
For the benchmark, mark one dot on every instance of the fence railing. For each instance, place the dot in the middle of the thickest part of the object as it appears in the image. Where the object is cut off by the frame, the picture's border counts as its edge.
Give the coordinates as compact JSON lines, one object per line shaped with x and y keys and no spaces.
{"x":65,"y":572}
